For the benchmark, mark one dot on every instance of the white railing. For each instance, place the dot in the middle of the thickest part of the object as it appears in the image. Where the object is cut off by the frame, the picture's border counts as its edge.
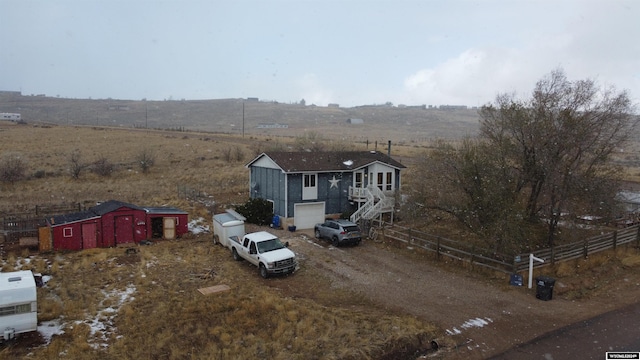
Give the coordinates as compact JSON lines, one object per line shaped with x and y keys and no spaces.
{"x":377,"y":202}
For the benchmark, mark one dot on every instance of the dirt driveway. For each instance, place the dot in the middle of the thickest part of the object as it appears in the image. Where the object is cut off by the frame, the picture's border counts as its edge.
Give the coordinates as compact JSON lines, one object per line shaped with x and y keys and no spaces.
{"x":479,"y":317}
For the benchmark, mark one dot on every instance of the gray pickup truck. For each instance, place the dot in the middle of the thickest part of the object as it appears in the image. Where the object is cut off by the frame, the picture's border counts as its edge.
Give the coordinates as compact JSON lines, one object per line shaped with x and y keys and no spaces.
{"x":339,"y":232}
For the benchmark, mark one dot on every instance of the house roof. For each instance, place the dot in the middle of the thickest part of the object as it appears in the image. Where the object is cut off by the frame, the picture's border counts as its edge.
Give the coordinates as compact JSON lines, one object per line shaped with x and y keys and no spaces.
{"x":301,"y":161}
{"x":112,"y":205}
{"x":72,"y":217}
{"x":107,"y":207}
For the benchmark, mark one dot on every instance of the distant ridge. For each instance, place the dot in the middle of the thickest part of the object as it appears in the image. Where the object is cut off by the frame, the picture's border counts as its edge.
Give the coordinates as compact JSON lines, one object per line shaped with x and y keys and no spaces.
{"x":249,"y":116}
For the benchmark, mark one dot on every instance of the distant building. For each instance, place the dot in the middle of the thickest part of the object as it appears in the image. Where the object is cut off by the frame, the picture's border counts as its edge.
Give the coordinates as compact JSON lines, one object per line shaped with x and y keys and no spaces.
{"x":10,"y":116}
{"x":273,"y":126}
{"x":333,"y":105}
{"x":453,"y":107}
{"x":355,"y":121}
{"x":253,"y":99}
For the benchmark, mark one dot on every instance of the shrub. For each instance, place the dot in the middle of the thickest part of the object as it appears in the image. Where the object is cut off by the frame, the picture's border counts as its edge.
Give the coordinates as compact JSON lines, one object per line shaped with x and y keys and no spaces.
{"x":257,"y":211}
{"x":12,"y":168}
{"x":103,"y":167}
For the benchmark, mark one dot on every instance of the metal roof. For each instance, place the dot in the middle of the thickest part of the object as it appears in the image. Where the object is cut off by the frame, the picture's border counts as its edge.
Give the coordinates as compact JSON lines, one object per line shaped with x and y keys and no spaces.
{"x":163,"y":210}
{"x":104,"y":208}
{"x":112,"y":205}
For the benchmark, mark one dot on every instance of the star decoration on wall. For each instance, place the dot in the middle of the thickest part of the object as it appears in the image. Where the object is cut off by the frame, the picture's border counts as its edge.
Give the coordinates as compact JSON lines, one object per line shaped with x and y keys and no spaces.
{"x":334,"y":182}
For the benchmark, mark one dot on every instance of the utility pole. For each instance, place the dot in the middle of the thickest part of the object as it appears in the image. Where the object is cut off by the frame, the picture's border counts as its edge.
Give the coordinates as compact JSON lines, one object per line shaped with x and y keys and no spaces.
{"x":243,"y":119}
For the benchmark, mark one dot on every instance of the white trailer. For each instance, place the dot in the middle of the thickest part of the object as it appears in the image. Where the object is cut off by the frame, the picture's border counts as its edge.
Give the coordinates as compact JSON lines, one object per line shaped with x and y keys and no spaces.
{"x":18,"y":303}
{"x":227,"y":225}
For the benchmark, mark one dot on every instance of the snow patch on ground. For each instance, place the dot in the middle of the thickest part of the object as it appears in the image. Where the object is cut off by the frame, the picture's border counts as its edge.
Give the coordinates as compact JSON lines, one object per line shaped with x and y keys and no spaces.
{"x":477,"y":322}
{"x":197,"y":226}
{"x":102,"y":324}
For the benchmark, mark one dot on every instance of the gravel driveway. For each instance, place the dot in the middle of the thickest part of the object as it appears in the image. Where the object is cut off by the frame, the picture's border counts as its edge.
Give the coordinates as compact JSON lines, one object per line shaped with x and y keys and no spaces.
{"x":479,"y":317}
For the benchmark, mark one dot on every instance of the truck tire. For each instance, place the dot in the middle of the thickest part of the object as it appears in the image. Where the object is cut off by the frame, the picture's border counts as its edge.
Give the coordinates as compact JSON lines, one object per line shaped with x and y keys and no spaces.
{"x":263,"y":271}
{"x":317,"y":233}
{"x":235,"y":254}
{"x":335,"y":241}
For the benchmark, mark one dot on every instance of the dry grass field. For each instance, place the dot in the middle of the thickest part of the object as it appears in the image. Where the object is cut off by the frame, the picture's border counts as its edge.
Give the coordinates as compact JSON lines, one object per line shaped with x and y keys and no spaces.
{"x":146,"y":305}
{"x":105,"y":303}
{"x":109,"y":304}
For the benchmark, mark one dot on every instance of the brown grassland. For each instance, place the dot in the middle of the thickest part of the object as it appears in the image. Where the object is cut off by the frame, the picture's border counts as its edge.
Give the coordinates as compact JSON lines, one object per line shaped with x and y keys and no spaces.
{"x":146,"y":305}
{"x":166,"y":317}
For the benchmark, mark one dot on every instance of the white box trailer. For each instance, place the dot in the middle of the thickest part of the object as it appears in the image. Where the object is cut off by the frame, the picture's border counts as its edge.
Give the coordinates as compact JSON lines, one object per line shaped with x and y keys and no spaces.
{"x":18,"y":303}
{"x":227,"y":225}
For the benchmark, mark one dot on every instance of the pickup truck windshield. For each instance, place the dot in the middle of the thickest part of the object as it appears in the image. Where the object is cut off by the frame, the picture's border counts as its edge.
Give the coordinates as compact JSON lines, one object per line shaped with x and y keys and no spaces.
{"x":270,"y":245}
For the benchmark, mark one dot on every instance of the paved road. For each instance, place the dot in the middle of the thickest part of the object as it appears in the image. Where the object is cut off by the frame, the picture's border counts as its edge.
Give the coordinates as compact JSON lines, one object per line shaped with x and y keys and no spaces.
{"x":618,"y":330}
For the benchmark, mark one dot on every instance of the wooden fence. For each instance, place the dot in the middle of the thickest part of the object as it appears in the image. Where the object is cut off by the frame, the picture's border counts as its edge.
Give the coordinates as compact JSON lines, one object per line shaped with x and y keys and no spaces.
{"x":476,"y":256}
{"x":16,"y":226}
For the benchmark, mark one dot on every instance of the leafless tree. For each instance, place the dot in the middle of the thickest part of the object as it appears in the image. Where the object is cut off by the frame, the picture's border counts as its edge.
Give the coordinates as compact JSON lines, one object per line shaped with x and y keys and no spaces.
{"x":103,"y":167}
{"x":76,"y":165}
{"x":310,"y":141}
{"x":145,"y":159}
{"x":534,"y":160}
{"x":559,"y":143}
{"x":13,"y":167}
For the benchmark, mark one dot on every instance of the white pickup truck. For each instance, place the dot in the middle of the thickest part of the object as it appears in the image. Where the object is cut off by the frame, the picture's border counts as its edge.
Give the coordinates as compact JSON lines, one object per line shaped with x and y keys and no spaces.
{"x":265,"y":251}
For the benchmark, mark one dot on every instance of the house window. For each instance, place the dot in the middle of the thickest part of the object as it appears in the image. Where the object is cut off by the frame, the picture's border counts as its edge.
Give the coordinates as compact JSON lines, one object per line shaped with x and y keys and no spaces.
{"x":309,"y":180}
{"x":67,"y":232}
{"x":309,"y":187}
{"x":389,"y":184}
{"x":380,"y":181}
{"x":358,"y":180}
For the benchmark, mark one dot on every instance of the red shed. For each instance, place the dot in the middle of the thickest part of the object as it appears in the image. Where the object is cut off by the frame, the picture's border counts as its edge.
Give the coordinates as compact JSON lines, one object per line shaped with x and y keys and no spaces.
{"x":122,"y":223}
{"x":75,"y":231}
{"x":104,"y":225}
{"x":166,"y":222}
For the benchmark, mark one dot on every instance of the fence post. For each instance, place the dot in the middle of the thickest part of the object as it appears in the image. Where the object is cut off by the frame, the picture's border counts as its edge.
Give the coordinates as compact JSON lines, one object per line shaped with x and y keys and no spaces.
{"x":585,"y":248}
{"x":638,"y":237}
{"x":615,"y":240}
{"x":438,"y":249}
{"x":553,"y":255}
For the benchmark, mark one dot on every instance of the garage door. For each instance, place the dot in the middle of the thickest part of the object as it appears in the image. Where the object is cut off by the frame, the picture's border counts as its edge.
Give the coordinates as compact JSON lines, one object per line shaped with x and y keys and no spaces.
{"x":308,"y":214}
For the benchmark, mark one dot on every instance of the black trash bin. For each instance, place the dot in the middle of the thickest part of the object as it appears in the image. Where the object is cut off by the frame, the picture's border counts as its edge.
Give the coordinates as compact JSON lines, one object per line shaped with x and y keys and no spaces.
{"x":544,"y":287}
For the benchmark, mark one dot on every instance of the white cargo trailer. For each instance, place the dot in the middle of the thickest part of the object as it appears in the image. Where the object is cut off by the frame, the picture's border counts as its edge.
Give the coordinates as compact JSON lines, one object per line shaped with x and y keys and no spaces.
{"x":18,"y":303}
{"x":227,"y":225}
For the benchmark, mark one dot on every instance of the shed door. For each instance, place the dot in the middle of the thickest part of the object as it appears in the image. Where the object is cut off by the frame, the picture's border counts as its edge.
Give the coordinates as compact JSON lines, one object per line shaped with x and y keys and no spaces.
{"x":124,"y":229}
{"x":89,"y":236}
{"x":307,"y":215}
{"x":169,"y":228}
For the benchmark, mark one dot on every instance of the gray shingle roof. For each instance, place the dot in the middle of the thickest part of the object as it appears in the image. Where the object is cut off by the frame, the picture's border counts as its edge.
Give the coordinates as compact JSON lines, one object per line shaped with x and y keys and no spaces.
{"x":300,"y":161}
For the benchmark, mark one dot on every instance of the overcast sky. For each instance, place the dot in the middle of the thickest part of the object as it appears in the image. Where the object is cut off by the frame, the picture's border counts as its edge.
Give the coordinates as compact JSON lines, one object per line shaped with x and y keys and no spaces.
{"x":350,"y":52}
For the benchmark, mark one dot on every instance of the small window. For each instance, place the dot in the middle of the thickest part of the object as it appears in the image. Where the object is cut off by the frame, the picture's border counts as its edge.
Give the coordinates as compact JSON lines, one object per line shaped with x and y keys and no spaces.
{"x":67,"y":232}
{"x":389,"y":181}
{"x":309,"y":180}
{"x":15,"y":309}
{"x":246,"y":242}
